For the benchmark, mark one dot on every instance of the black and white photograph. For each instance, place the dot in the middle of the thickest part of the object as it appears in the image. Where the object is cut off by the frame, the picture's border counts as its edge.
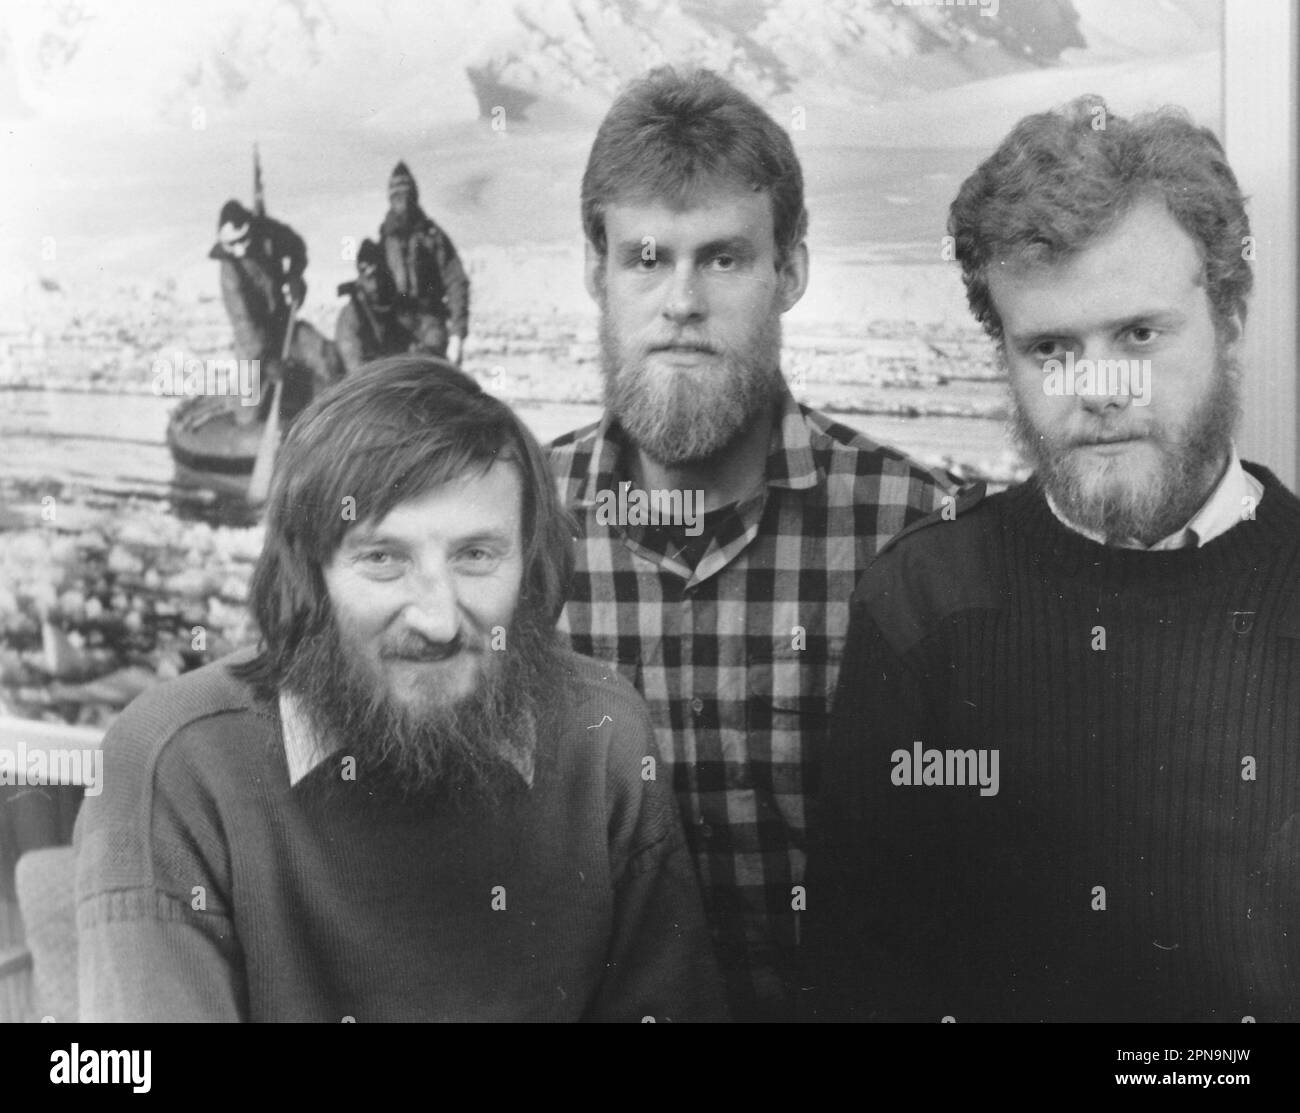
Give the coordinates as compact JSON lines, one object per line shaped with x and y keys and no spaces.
{"x":651,"y":511}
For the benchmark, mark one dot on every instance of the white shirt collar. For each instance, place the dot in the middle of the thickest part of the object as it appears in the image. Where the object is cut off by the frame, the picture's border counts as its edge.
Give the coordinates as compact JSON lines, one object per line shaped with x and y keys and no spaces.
{"x":304,"y":750}
{"x":1233,"y":500}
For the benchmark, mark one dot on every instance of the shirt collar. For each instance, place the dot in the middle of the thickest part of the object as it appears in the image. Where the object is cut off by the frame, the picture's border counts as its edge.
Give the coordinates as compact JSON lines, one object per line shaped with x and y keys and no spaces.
{"x":1218,"y":514}
{"x":304,"y":750}
{"x":790,"y":459}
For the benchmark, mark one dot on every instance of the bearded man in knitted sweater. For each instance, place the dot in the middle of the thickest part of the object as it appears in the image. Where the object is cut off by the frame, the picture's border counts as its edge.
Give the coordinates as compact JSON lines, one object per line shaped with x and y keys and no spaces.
{"x":1063,"y":778}
{"x":411,"y":803}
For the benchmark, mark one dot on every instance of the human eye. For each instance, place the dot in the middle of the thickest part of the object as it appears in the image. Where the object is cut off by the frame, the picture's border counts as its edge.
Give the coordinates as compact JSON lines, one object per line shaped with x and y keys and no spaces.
{"x":724,"y":258}
{"x":378,"y":563}
{"x":479,"y":559}
{"x":1143,"y":335}
{"x":639,"y":259}
{"x":1043,"y":350}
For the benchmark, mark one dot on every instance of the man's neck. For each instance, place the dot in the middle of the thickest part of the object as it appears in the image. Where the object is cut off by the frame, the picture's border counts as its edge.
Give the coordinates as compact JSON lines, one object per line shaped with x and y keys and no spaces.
{"x":728,"y":477}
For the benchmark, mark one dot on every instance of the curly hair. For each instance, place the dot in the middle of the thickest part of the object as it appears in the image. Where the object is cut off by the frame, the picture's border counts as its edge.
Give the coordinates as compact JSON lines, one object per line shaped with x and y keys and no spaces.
{"x":1063,"y":179}
{"x":669,"y":133}
{"x":396,"y":429}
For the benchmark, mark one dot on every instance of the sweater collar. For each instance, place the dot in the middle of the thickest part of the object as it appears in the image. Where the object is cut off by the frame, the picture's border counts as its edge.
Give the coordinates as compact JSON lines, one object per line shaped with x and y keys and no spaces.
{"x":1247,"y":545}
{"x":1235,"y":491}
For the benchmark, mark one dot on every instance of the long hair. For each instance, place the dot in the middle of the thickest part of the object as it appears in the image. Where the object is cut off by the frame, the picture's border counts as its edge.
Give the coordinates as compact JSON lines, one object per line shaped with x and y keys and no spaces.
{"x":393,"y":431}
{"x":1062,"y":179}
{"x":668,"y":133}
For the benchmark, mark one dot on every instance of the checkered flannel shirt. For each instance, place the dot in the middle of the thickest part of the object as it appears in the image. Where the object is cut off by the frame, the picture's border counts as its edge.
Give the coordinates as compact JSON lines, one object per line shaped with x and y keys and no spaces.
{"x":738,"y":657}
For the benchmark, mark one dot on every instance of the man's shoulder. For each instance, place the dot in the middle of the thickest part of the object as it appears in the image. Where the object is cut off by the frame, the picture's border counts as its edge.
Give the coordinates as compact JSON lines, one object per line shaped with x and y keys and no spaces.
{"x":950,"y":560}
{"x":960,"y":522}
{"x":431,"y":232}
{"x":278,"y":229}
{"x":160,"y":715}
{"x":846,"y":451}
{"x":574,"y":441}
{"x":165,"y":744}
{"x":596,"y":682}
{"x":1284,"y":500}
{"x":606,"y":733}
{"x":570,"y":454}
{"x":602,"y":716}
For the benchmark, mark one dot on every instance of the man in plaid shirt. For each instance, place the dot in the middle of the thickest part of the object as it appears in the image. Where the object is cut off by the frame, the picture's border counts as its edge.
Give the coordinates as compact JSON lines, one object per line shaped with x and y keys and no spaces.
{"x":730,"y":622}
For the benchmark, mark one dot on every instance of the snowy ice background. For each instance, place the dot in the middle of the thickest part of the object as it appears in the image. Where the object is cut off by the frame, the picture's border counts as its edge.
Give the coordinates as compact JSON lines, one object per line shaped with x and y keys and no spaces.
{"x":124,"y":126}
{"x":101,"y":106}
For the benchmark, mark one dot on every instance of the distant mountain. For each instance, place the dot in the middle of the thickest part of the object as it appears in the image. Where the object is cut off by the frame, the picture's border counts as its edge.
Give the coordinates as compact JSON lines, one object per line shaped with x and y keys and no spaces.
{"x":580,"y":52}
{"x":392,"y":64}
{"x":126,"y":125}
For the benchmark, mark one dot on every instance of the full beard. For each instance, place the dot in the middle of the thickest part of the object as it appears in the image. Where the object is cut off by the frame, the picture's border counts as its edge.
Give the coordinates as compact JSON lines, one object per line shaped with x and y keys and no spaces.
{"x":679,"y":417}
{"x":459,"y":751}
{"x":1111,"y":498}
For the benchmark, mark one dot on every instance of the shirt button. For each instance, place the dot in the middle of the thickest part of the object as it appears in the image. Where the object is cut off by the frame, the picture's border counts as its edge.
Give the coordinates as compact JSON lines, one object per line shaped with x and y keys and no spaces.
{"x":697,"y":705}
{"x":706,"y":832}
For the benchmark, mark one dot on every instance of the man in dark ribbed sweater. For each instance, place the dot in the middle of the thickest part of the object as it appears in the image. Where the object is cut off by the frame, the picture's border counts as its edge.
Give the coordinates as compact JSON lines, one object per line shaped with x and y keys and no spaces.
{"x":1063,"y":779}
{"x":411,"y":804}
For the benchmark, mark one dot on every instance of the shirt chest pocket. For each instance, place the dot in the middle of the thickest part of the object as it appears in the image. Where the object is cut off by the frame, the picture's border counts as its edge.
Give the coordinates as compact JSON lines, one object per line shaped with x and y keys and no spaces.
{"x":790,"y":693}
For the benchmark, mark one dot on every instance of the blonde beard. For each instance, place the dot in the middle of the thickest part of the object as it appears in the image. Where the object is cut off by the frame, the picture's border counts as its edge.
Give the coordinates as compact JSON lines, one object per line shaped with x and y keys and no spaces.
{"x":1111,"y":499}
{"x":683,"y":419}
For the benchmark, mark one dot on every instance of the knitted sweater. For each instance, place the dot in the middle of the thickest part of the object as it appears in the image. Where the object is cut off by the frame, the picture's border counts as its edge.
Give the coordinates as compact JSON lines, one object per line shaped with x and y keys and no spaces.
{"x":1137,"y":854}
{"x":209,"y":888}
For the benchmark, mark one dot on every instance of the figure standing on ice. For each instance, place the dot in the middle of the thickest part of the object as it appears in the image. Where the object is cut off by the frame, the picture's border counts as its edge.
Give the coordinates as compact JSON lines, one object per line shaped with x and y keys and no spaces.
{"x":367,"y":326}
{"x":262,"y":263}
{"x":432,"y":287}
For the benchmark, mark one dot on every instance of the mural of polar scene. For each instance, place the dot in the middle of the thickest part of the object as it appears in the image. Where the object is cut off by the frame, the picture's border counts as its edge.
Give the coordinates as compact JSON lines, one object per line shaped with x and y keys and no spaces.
{"x":130,"y":125}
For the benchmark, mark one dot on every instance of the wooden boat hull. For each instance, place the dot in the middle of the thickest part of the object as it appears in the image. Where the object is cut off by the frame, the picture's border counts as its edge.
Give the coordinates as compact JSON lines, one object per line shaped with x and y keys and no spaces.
{"x":213,"y":445}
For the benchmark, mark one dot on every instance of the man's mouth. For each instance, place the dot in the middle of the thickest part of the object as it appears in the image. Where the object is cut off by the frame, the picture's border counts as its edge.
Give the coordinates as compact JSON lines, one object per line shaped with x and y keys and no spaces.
{"x":685,"y":349}
{"x":424,"y":652}
{"x":1109,"y":441}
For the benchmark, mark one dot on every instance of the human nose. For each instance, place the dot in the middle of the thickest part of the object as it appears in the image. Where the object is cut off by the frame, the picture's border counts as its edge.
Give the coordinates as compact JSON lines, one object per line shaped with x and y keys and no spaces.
{"x":684,"y":300}
{"x":1110,"y":386}
{"x":433,"y":609}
